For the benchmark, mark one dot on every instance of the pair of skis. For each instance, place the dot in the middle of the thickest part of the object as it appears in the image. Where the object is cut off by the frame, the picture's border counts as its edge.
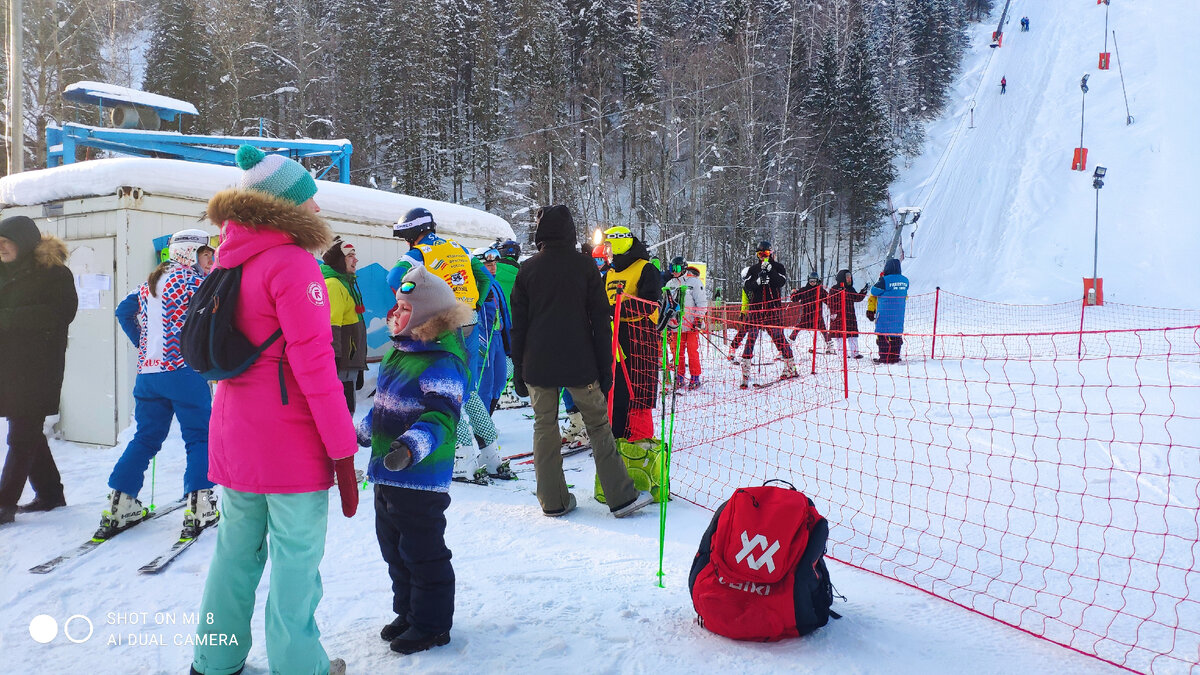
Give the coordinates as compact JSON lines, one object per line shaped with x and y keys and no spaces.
{"x":155,"y":566}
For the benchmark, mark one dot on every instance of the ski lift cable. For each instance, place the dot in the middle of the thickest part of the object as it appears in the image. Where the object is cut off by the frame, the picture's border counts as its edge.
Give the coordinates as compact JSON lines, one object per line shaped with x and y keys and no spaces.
{"x":944,"y":159}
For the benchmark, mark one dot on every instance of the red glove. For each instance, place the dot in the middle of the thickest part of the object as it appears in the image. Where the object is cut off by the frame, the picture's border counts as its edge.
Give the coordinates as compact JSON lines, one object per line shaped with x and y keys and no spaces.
{"x":347,"y":484}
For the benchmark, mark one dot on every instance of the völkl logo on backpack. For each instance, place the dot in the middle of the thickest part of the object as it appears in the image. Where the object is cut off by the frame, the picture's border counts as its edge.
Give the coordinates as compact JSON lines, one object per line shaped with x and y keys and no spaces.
{"x":748,"y":547}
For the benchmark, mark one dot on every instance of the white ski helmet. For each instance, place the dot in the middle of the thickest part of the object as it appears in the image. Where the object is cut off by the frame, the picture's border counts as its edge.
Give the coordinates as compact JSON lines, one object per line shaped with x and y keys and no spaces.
{"x":184,"y":245}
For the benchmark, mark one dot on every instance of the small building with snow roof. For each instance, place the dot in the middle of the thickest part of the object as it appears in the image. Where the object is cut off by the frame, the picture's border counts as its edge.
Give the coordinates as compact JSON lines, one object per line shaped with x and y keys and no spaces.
{"x":111,"y":211}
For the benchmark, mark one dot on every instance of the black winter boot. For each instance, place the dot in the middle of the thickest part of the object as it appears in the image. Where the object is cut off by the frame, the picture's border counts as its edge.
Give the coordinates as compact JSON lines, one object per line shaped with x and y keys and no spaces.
{"x":7,"y":514}
{"x":416,"y":640}
{"x":394,"y":629}
{"x":41,"y":503}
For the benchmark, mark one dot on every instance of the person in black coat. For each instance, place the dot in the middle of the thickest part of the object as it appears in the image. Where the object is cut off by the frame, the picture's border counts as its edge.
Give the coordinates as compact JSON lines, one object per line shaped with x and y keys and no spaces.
{"x":811,"y":298}
{"x":561,"y":337}
{"x":764,"y":282}
{"x":37,"y":303}
{"x":842,"y":319}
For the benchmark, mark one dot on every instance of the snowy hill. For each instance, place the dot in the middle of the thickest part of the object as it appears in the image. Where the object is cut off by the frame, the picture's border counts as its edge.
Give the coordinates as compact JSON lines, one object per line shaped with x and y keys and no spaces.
{"x":1005,"y":218}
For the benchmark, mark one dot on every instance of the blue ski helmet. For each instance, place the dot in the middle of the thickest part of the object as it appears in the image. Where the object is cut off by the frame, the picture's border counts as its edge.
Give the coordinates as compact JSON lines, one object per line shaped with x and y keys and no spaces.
{"x":415,"y":224}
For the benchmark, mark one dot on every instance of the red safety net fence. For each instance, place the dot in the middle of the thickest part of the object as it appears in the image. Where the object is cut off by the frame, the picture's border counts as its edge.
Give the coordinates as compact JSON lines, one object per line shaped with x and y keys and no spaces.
{"x":1039,"y":465}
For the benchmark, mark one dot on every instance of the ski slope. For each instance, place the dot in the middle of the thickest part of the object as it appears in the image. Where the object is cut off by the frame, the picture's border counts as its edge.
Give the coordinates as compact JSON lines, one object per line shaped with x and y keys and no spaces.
{"x":1005,"y":218}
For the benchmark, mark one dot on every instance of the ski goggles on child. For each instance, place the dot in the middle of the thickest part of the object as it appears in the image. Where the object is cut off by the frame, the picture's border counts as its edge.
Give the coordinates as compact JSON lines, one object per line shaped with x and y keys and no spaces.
{"x":763,"y":255}
{"x":490,"y":255}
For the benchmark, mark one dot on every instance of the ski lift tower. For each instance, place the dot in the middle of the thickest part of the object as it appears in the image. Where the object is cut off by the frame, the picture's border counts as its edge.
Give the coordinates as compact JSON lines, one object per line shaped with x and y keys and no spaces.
{"x":905,"y":213}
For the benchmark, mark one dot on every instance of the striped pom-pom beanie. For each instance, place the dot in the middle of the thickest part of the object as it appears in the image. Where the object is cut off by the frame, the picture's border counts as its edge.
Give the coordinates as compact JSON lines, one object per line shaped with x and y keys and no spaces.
{"x":275,"y":175}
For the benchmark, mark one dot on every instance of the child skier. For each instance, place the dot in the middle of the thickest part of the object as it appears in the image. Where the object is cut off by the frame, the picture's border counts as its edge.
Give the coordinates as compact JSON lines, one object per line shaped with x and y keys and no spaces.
{"x":685,"y":285}
{"x":152,"y":316}
{"x":411,"y":433}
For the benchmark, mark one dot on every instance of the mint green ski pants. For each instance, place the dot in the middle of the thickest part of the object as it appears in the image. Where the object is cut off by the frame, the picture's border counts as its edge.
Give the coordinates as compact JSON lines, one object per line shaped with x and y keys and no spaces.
{"x":295,"y":526}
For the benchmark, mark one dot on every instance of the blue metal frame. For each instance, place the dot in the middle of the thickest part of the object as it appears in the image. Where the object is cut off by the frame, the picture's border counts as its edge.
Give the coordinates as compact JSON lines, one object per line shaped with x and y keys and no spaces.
{"x":62,"y":142}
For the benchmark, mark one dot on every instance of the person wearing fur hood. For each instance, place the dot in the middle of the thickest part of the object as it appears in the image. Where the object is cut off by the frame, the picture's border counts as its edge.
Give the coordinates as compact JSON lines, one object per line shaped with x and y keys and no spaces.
{"x":280,"y":430}
{"x":37,"y":303}
{"x":411,"y":433}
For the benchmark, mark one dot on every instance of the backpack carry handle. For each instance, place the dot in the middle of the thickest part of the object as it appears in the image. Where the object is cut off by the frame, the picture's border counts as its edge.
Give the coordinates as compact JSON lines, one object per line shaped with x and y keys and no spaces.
{"x":780,"y":480}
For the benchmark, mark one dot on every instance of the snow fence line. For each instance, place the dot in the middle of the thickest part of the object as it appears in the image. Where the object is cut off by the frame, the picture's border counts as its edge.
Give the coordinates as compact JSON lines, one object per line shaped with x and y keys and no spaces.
{"x":1039,"y":465}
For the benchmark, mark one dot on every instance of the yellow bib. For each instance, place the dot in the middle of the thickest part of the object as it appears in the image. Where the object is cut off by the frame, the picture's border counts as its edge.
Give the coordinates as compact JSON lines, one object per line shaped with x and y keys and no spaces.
{"x":448,"y":261}
{"x":626,"y":282}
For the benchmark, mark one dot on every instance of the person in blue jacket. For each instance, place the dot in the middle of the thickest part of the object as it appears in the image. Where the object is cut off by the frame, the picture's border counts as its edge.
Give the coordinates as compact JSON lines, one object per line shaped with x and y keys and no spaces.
{"x":892,"y":292}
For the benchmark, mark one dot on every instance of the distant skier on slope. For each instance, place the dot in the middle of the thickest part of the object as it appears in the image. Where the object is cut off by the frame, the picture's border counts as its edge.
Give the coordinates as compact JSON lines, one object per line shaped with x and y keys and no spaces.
{"x":1003,"y":83}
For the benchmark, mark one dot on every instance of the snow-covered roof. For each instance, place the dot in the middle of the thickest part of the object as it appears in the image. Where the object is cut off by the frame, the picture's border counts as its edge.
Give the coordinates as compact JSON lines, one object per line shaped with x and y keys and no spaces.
{"x":194,"y":180}
{"x":93,"y":92}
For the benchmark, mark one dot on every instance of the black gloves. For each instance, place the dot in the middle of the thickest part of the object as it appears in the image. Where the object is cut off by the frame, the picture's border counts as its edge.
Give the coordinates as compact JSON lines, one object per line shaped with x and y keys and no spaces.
{"x":865,"y":288}
{"x":870,"y":315}
{"x":520,"y":388}
{"x":399,"y":458}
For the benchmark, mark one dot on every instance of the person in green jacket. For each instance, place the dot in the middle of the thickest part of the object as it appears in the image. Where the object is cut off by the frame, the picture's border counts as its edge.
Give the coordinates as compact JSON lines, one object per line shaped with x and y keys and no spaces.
{"x":339,"y":266}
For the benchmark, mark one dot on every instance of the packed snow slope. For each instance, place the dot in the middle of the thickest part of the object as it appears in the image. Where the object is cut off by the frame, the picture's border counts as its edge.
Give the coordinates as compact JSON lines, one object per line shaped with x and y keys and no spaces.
{"x":576,"y":594}
{"x":1005,"y":218}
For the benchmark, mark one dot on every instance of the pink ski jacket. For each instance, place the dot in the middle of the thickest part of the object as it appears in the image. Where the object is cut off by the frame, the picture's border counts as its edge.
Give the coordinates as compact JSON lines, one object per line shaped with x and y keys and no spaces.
{"x":256,"y":442}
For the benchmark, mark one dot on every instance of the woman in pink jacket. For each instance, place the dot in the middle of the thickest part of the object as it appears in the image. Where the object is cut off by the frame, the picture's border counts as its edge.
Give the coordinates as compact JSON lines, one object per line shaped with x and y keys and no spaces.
{"x":279,"y":431}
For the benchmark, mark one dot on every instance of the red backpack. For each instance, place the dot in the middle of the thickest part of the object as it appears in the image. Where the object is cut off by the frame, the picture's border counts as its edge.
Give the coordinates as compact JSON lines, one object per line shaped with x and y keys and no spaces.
{"x":760,"y":571}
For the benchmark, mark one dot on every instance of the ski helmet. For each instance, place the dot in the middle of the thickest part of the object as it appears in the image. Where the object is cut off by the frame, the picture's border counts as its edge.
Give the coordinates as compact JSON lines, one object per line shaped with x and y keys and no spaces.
{"x":416,"y":223}
{"x":600,"y":254}
{"x":620,"y":239}
{"x":510,"y":249}
{"x":763,"y":245}
{"x":678,"y":265}
{"x":184,"y":245}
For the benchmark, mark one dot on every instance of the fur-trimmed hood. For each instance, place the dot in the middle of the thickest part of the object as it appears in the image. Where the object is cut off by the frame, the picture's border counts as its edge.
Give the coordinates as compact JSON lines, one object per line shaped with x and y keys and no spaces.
{"x":452,"y":319}
{"x":261,"y":211}
{"x":50,"y":252}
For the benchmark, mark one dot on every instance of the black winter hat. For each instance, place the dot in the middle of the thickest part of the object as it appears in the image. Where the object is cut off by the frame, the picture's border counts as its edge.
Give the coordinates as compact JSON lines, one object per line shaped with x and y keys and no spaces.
{"x":554,"y":223}
{"x":335,"y":257}
{"x":22,"y":231}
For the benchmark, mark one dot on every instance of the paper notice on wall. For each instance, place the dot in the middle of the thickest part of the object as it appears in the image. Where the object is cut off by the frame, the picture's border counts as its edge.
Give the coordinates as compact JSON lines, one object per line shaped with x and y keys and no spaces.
{"x":89,"y":299}
{"x":93,"y":282}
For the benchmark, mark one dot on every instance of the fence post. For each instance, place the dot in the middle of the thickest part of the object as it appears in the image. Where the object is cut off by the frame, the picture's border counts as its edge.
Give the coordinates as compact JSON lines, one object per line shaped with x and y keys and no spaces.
{"x":816,"y":322}
{"x":937,"y":294}
{"x":845,"y":340}
{"x":1082,"y":310}
{"x":616,"y":350}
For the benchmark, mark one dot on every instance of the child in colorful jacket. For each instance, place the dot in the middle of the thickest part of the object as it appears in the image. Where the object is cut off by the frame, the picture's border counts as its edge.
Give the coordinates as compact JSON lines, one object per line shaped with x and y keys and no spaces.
{"x":152,"y":316}
{"x":411,"y":433}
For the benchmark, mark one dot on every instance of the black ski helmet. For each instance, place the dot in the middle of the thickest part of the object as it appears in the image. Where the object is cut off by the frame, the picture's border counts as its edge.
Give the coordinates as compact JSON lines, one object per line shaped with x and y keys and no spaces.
{"x":763,"y":245}
{"x":510,"y":249}
{"x":678,"y":264}
{"x":416,"y":223}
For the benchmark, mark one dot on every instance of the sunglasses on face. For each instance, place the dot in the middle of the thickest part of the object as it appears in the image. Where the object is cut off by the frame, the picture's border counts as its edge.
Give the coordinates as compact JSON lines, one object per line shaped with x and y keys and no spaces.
{"x":408,"y":287}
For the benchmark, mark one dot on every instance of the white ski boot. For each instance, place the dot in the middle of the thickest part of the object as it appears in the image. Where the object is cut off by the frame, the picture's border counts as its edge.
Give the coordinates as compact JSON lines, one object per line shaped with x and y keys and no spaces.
{"x":745,"y":373}
{"x":466,"y":465}
{"x":200,"y":512}
{"x":123,"y":512}
{"x":496,"y":466}
{"x":789,"y":369}
{"x":509,"y":400}
{"x":575,"y":433}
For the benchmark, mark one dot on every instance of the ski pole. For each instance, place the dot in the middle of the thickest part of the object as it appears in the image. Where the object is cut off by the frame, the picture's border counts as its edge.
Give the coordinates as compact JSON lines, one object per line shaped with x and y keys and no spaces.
{"x":664,"y":459}
{"x":153,"y":469}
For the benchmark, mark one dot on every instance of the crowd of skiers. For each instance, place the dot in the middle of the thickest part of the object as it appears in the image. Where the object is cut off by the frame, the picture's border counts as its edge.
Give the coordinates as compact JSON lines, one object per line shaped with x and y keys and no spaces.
{"x":278,"y":433}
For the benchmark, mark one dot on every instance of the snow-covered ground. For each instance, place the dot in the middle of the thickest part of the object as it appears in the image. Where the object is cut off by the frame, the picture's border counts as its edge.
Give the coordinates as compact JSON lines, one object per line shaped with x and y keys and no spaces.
{"x":576,"y":594}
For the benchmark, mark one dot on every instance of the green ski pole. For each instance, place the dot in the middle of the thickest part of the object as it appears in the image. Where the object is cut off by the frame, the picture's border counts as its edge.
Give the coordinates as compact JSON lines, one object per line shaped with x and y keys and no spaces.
{"x":664,"y":459}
